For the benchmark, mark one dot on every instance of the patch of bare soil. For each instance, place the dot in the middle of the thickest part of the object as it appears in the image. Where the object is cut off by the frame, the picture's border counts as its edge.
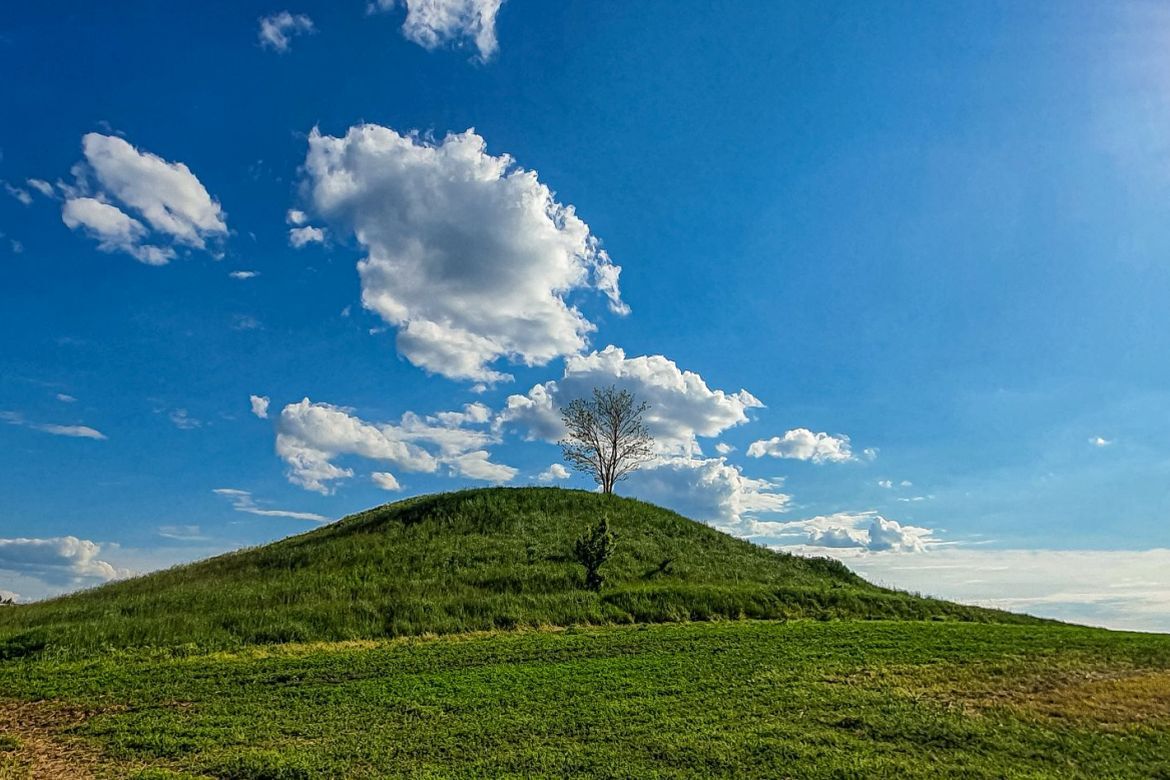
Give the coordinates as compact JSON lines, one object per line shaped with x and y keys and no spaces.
{"x":34,"y":746}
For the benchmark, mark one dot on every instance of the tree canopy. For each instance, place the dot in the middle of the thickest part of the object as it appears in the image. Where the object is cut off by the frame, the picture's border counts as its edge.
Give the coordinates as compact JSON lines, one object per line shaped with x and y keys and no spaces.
{"x":605,"y":436}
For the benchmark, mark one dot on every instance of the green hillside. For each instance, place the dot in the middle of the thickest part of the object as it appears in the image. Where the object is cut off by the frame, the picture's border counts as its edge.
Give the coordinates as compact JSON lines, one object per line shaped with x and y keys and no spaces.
{"x":315,"y":657}
{"x":474,"y":560}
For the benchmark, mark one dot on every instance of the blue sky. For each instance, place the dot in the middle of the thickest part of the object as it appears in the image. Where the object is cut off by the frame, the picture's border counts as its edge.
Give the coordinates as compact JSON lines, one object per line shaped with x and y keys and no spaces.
{"x":894,"y":276}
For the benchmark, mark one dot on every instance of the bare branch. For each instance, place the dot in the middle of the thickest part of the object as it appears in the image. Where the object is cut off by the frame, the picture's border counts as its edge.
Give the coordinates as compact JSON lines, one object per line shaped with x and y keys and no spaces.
{"x":606,"y":437}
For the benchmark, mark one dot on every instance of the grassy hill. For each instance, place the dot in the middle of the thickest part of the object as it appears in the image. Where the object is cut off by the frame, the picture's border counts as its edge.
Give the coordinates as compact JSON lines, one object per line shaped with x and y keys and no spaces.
{"x":474,"y":560}
{"x":316,"y":657}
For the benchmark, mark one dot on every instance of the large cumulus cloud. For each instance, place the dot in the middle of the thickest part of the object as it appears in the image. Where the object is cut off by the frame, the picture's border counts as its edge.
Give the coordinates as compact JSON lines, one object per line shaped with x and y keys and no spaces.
{"x":470,"y":256}
{"x":681,"y":405}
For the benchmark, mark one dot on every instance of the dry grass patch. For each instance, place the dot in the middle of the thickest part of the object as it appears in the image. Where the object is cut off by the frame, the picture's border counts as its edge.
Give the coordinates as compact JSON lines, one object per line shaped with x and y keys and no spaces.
{"x":1119,"y":701}
{"x":34,"y":742}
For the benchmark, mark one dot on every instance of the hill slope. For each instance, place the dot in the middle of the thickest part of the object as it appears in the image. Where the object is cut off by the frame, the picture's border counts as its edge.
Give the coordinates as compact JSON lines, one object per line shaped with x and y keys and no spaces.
{"x":455,"y":562}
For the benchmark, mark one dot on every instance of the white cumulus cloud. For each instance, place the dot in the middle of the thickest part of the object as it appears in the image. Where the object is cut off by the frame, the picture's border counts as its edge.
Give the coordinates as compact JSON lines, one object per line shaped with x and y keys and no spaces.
{"x":167,"y":195}
{"x":435,"y":23}
{"x":259,"y":406}
{"x":554,"y":472}
{"x":303,"y":236}
{"x":113,"y":229}
{"x":478,"y":465}
{"x":385,"y":480}
{"x":311,"y":436}
{"x":278,"y":30}
{"x":710,"y":490}
{"x":62,"y":560}
{"x":681,"y":405}
{"x":803,"y":444}
{"x":866,"y":531}
{"x":117,"y":179}
{"x":470,"y":256}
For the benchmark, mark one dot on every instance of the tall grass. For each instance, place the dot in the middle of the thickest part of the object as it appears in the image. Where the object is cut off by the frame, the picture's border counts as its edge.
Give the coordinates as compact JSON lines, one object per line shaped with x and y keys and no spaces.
{"x":458,"y":562}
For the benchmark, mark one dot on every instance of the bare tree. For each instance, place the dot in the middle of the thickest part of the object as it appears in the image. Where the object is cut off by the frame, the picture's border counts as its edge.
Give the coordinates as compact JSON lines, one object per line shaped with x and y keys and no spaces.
{"x":606,"y":438}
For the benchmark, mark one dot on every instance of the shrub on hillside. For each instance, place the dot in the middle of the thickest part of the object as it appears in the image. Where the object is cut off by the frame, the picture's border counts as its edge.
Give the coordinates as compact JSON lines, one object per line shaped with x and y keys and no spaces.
{"x":592,"y":550}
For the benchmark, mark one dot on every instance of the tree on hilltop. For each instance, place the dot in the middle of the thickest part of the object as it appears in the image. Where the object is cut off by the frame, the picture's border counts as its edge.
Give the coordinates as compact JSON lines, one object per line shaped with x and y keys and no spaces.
{"x":605,"y":436}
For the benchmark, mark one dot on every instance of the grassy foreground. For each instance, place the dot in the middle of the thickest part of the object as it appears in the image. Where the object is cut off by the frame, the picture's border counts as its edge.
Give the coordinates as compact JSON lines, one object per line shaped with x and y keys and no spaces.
{"x":743,"y":699}
{"x":352,"y":651}
{"x":497,"y":558}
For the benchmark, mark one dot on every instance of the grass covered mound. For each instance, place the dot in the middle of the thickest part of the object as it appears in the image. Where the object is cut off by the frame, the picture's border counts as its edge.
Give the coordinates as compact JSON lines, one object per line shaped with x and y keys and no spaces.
{"x":457,"y":562}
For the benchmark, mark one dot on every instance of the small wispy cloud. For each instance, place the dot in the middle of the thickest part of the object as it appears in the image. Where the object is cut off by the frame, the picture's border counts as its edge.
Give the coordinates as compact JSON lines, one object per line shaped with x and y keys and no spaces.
{"x":41,"y":186}
{"x":20,"y":194}
{"x":182,"y":533}
{"x":74,"y":431}
{"x":245,"y":322}
{"x":278,"y":30}
{"x":242,"y":501}
{"x":184,"y":421}
{"x":1100,"y":441}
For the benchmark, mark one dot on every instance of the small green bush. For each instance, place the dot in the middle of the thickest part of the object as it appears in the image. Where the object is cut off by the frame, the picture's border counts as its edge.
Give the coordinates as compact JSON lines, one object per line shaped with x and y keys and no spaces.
{"x":592,"y":550}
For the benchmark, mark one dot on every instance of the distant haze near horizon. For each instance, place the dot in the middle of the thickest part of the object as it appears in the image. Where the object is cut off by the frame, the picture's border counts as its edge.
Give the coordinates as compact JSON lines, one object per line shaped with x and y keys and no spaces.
{"x":893,"y":280}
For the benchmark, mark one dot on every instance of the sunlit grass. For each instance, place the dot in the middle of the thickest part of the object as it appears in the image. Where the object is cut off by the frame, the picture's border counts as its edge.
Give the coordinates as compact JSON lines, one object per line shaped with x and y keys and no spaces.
{"x":733,"y":699}
{"x":476,"y":560}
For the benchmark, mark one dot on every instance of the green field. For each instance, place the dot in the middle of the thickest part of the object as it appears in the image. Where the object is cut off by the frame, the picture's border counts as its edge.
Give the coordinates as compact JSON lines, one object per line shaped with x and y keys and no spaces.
{"x":451,"y":636}
{"x":748,"y":699}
